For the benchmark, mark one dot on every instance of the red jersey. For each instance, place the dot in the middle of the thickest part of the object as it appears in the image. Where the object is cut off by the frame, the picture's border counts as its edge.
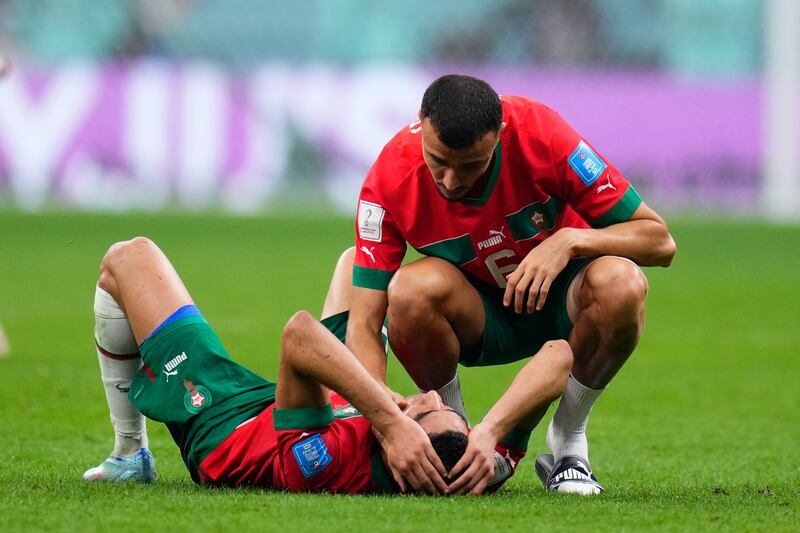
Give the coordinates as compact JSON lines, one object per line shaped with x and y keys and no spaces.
{"x":314,"y":449}
{"x":544,"y":177}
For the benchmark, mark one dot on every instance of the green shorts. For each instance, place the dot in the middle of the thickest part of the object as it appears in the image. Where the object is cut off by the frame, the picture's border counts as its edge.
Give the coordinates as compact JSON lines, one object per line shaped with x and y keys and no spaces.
{"x":337,"y":324}
{"x":508,"y":336}
{"x":190,"y":383}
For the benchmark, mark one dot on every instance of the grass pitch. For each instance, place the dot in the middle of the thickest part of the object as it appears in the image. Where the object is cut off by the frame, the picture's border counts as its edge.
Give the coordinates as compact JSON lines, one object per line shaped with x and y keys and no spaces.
{"x":699,"y":431}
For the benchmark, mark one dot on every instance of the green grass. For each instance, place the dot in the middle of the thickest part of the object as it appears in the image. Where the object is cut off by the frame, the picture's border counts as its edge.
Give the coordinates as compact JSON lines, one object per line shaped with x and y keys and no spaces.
{"x":699,"y":431}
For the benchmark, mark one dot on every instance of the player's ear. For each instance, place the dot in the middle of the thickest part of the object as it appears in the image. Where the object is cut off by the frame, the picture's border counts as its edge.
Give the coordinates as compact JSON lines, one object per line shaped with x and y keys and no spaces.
{"x":419,"y":114}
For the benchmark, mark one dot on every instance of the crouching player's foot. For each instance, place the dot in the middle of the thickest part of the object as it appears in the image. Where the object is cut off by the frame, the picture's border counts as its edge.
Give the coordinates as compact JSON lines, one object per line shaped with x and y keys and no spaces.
{"x":571,"y":474}
{"x":139,"y":466}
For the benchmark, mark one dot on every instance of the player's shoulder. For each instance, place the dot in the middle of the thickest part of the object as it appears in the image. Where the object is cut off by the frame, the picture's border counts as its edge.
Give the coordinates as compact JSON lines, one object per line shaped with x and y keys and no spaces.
{"x":404,"y":150}
{"x":398,"y":160}
{"x":523,"y":113}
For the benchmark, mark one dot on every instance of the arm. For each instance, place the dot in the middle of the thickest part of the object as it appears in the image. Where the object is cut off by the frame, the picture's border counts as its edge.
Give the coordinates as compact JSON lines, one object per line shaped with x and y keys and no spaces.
{"x":540,"y":381}
{"x":379,"y":251}
{"x":311,"y":358}
{"x":643,"y":238}
{"x":602,"y":196}
{"x":367,"y":313}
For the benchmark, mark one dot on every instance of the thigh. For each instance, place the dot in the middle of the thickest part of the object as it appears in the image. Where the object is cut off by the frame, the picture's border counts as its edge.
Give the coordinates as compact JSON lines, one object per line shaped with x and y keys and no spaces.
{"x":144,"y":283}
{"x":186,"y":371}
{"x":579,"y":295}
{"x":436,"y":282}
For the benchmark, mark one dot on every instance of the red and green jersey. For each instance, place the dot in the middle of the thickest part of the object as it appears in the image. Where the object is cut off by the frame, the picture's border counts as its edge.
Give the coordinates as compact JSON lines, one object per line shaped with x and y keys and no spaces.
{"x":544,"y":177}
{"x":330,"y":448}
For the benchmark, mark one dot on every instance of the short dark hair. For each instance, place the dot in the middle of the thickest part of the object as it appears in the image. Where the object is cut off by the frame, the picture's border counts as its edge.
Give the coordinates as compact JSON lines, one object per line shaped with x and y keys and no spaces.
{"x":449,"y":446}
{"x":461,"y":109}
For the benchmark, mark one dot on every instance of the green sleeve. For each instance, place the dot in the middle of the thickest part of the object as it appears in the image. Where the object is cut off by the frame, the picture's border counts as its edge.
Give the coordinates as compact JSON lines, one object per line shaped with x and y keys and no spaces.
{"x":621,"y":211}
{"x":371,"y":278}
{"x":303,"y":417}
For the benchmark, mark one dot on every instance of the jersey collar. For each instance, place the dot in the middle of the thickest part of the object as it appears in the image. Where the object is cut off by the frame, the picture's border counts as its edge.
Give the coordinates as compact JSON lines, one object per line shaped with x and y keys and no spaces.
{"x":498,"y":152}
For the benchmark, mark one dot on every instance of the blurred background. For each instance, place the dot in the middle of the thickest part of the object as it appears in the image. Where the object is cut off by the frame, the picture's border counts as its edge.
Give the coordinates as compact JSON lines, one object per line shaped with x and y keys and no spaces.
{"x":256,"y":106}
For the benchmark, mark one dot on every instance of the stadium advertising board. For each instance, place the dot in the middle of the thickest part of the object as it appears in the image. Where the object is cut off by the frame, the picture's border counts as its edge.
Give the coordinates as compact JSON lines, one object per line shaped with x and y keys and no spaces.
{"x":147,"y":135}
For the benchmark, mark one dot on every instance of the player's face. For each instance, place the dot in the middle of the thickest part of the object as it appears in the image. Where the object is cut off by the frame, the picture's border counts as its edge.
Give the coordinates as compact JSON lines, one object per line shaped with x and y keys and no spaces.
{"x":434,"y":416}
{"x":456,"y":171}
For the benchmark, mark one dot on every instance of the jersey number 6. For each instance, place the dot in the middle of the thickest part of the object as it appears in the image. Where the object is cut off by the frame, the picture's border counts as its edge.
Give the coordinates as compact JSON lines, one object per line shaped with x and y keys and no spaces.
{"x":499,"y":272}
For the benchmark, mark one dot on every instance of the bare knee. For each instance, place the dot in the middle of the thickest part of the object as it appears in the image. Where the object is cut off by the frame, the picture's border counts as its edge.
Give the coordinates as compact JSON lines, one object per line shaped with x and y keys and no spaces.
{"x":616,"y":283}
{"x":347,"y":258}
{"x":419,"y":286}
{"x":343,"y":272}
{"x":121,"y":255}
{"x":340,"y":290}
{"x":559,"y":359}
{"x":560,"y":354}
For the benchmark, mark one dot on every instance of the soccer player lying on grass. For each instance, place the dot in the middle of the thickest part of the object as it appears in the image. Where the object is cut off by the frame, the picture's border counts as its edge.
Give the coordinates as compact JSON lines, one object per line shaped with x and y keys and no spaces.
{"x":159,"y":358}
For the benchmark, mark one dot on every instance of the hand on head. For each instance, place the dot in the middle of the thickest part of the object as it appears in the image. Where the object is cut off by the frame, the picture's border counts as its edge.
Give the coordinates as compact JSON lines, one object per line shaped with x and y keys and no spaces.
{"x":430,"y":440}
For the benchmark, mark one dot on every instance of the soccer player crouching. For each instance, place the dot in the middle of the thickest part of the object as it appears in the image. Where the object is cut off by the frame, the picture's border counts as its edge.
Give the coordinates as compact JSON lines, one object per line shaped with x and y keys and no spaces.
{"x":528,"y":234}
{"x":160,"y":359}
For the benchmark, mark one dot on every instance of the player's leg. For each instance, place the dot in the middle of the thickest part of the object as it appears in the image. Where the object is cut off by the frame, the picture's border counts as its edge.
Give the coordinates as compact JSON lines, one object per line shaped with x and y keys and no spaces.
{"x":435,"y":316}
{"x":137,"y":290}
{"x":338,"y":297}
{"x":336,"y":309}
{"x":138,"y":275}
{"x":606,"y":303}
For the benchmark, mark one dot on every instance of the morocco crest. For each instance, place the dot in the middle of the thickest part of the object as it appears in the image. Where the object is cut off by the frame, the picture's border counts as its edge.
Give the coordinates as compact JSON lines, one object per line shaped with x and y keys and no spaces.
{"x":197,"y":397}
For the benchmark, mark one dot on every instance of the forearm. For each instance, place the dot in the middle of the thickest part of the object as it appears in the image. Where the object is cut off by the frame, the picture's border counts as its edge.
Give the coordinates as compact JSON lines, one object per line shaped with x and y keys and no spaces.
{"x":313,"y":354}
{"x":367,"y":345}
{"x":647,"y":242}
{"x":540,"y":381}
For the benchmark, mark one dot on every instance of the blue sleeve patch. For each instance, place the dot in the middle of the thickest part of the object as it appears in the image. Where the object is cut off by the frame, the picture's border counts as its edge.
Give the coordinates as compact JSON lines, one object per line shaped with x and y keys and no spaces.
{"x":586,"y":163}
{"x":311,"y":455}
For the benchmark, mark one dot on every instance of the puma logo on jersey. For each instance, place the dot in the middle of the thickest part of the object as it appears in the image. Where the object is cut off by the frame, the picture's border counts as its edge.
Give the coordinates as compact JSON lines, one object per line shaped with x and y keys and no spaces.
{"x":496,"y":237}
{"x":369,"y":252}
{"x":169,"y":368}
{"x":606,"y":186}
{"x":497,"y":231}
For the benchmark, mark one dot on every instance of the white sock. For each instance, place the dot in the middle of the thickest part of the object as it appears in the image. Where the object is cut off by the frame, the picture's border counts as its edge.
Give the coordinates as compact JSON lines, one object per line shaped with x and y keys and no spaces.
{"x":566,"y":434}
{"x":451,"y":396}
{"x":119,"y":359}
